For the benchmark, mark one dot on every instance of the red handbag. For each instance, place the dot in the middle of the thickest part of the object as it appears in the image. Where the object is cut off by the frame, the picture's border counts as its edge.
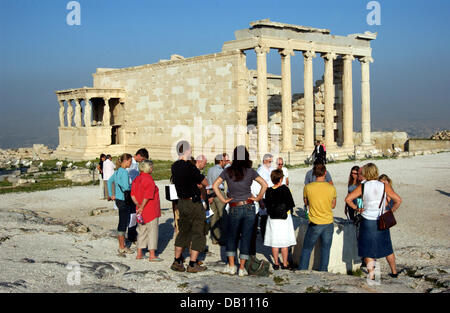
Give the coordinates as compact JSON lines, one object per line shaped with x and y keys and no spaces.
{"x":387,"y":219}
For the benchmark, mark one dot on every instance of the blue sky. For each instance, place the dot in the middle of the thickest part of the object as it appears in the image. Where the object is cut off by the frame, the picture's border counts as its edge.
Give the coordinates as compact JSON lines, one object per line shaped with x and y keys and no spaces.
{"x":40,"y":53}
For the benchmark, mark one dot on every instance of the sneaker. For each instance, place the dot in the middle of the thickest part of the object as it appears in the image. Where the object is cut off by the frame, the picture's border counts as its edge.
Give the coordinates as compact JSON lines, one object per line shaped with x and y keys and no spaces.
{"x":242,"y":272}
{"x":231,"y":270}
{"x":276,"y":267}
{"x":125,"y":251}
{"x":196,"y":268}
{"x":177,"y":267}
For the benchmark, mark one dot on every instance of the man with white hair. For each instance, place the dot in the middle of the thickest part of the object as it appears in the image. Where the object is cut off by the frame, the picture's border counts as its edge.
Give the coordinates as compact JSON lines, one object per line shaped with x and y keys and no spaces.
{"x":200,"y":162}
{"x":264,"y":171}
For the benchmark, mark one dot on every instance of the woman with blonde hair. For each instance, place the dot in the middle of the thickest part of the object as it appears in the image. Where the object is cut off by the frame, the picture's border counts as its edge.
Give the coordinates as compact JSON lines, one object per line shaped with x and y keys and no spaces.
{"x":121,"y":181}
{"x":372,"y":242}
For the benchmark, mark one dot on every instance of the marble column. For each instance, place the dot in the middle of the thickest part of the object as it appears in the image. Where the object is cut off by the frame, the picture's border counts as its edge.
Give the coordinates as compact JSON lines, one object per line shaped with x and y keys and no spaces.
{"x":69,"y":113}
{"x":329,"y":98}
{"x":87,"y":113}
{"x":286,"y":98}
{"x":347,"y":101}
{"x":61,"y":113}
{"x":309,"y":100}
{"x":365,"y":100}
{"x":77,"y":113}
{"x":262,"y":105}
{"x":106,"y":113}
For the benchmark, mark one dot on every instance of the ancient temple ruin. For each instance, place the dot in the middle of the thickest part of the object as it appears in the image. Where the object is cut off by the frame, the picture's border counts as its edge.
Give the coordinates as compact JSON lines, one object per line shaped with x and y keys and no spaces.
{"x":216,"y":102}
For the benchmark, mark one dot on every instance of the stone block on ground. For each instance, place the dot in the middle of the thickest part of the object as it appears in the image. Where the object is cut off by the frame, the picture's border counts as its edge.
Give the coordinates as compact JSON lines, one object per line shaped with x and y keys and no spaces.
{"x":33,"y":169}
{"x":344,"y":250}
{"x":78,"y":175}
{"x":77,"y":227}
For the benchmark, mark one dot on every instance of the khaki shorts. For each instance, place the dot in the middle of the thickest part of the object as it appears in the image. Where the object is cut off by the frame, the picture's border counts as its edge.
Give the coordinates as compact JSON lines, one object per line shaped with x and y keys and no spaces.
{"x":148,"y":235}
{"x":191,"y":225}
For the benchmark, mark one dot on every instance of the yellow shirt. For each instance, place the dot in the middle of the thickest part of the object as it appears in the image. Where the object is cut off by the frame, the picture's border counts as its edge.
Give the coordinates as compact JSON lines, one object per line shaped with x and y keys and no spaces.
{"x":320,"y":196}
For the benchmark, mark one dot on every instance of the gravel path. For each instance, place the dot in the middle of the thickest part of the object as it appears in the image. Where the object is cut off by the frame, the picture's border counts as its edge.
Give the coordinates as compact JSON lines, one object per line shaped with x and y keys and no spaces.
{"x":36,"y":247}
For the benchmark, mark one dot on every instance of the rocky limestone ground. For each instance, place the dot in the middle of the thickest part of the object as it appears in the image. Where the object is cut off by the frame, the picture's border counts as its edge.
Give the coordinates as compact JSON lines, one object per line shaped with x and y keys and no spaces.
{"x":45,"y":235}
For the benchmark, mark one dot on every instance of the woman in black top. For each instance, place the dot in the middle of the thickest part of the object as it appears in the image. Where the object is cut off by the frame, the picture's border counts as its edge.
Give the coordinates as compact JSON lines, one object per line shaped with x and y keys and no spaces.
{"x":280,"y":227}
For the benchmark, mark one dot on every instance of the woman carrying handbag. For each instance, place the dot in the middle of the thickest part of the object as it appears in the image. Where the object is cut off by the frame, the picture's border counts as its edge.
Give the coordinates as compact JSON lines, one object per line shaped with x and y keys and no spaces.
{"x":373,"y":242}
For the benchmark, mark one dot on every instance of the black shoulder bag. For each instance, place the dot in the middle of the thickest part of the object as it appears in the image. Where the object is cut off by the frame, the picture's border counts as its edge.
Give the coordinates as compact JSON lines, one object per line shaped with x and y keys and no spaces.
{"x":127,"y":196}
{"x":387,"y":219}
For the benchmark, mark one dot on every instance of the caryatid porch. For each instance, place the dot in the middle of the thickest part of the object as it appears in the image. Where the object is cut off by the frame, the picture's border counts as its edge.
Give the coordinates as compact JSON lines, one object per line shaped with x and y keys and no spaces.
{"x":94,"y":121}
{"x":287,"y":39}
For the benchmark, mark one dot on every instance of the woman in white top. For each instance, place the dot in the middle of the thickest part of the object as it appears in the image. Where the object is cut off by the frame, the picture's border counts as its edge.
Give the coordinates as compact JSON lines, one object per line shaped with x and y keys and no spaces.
{"x":374,"y":243}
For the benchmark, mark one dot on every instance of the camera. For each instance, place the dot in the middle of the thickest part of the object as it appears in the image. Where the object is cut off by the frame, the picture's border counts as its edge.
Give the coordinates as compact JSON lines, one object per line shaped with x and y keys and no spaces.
{"x":196,"y":198}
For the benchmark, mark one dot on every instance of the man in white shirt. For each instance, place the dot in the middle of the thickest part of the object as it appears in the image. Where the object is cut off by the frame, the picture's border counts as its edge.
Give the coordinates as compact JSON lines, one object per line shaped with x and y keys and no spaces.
{"x":264,"y":171}
{"x":280,"y":166}
{"x":133,"y":170}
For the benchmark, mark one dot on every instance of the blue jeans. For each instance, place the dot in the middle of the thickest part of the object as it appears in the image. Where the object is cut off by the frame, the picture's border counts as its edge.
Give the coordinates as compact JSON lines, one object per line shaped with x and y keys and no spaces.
{"x":325,"y":232}
{"x":240,"y":225}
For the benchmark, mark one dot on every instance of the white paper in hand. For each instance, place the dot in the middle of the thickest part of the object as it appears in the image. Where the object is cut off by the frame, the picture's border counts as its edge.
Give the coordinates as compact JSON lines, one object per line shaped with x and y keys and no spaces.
{"x":209,"y":213}
{"x":132,"y":220}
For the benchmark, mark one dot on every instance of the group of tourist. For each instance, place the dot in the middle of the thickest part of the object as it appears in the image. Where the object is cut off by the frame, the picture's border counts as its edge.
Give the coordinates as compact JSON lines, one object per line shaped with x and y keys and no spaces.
{"x":244,"y":203}
{"x":136,"y":197}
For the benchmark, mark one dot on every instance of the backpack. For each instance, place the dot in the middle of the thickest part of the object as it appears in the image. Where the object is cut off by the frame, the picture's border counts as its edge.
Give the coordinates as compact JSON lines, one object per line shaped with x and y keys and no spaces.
{"x":257,"y":267}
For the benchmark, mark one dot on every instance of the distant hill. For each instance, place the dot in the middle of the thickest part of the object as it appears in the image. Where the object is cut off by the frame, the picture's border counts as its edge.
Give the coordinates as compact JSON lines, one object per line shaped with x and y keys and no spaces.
{"x":415,"y":129}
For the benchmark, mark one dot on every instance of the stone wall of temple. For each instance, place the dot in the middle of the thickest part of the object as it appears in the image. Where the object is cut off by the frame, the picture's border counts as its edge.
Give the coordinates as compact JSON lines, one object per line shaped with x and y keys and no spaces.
{"x":179,"y":99}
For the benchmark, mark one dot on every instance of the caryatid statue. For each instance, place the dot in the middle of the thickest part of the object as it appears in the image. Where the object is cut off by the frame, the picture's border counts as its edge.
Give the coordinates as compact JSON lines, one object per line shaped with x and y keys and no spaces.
{"x":69,"y":113}
{"x":61,"y":113}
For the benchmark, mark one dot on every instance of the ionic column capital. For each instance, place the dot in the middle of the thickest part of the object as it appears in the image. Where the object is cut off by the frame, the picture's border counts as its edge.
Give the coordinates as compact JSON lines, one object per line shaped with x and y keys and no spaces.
{"x":262,"y":50}
{"x":286,"y":52}
{"x":329,"y":56}
{"x":348,"y":57}
{"x":366,"y":60}
{"x":309,"y":55}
